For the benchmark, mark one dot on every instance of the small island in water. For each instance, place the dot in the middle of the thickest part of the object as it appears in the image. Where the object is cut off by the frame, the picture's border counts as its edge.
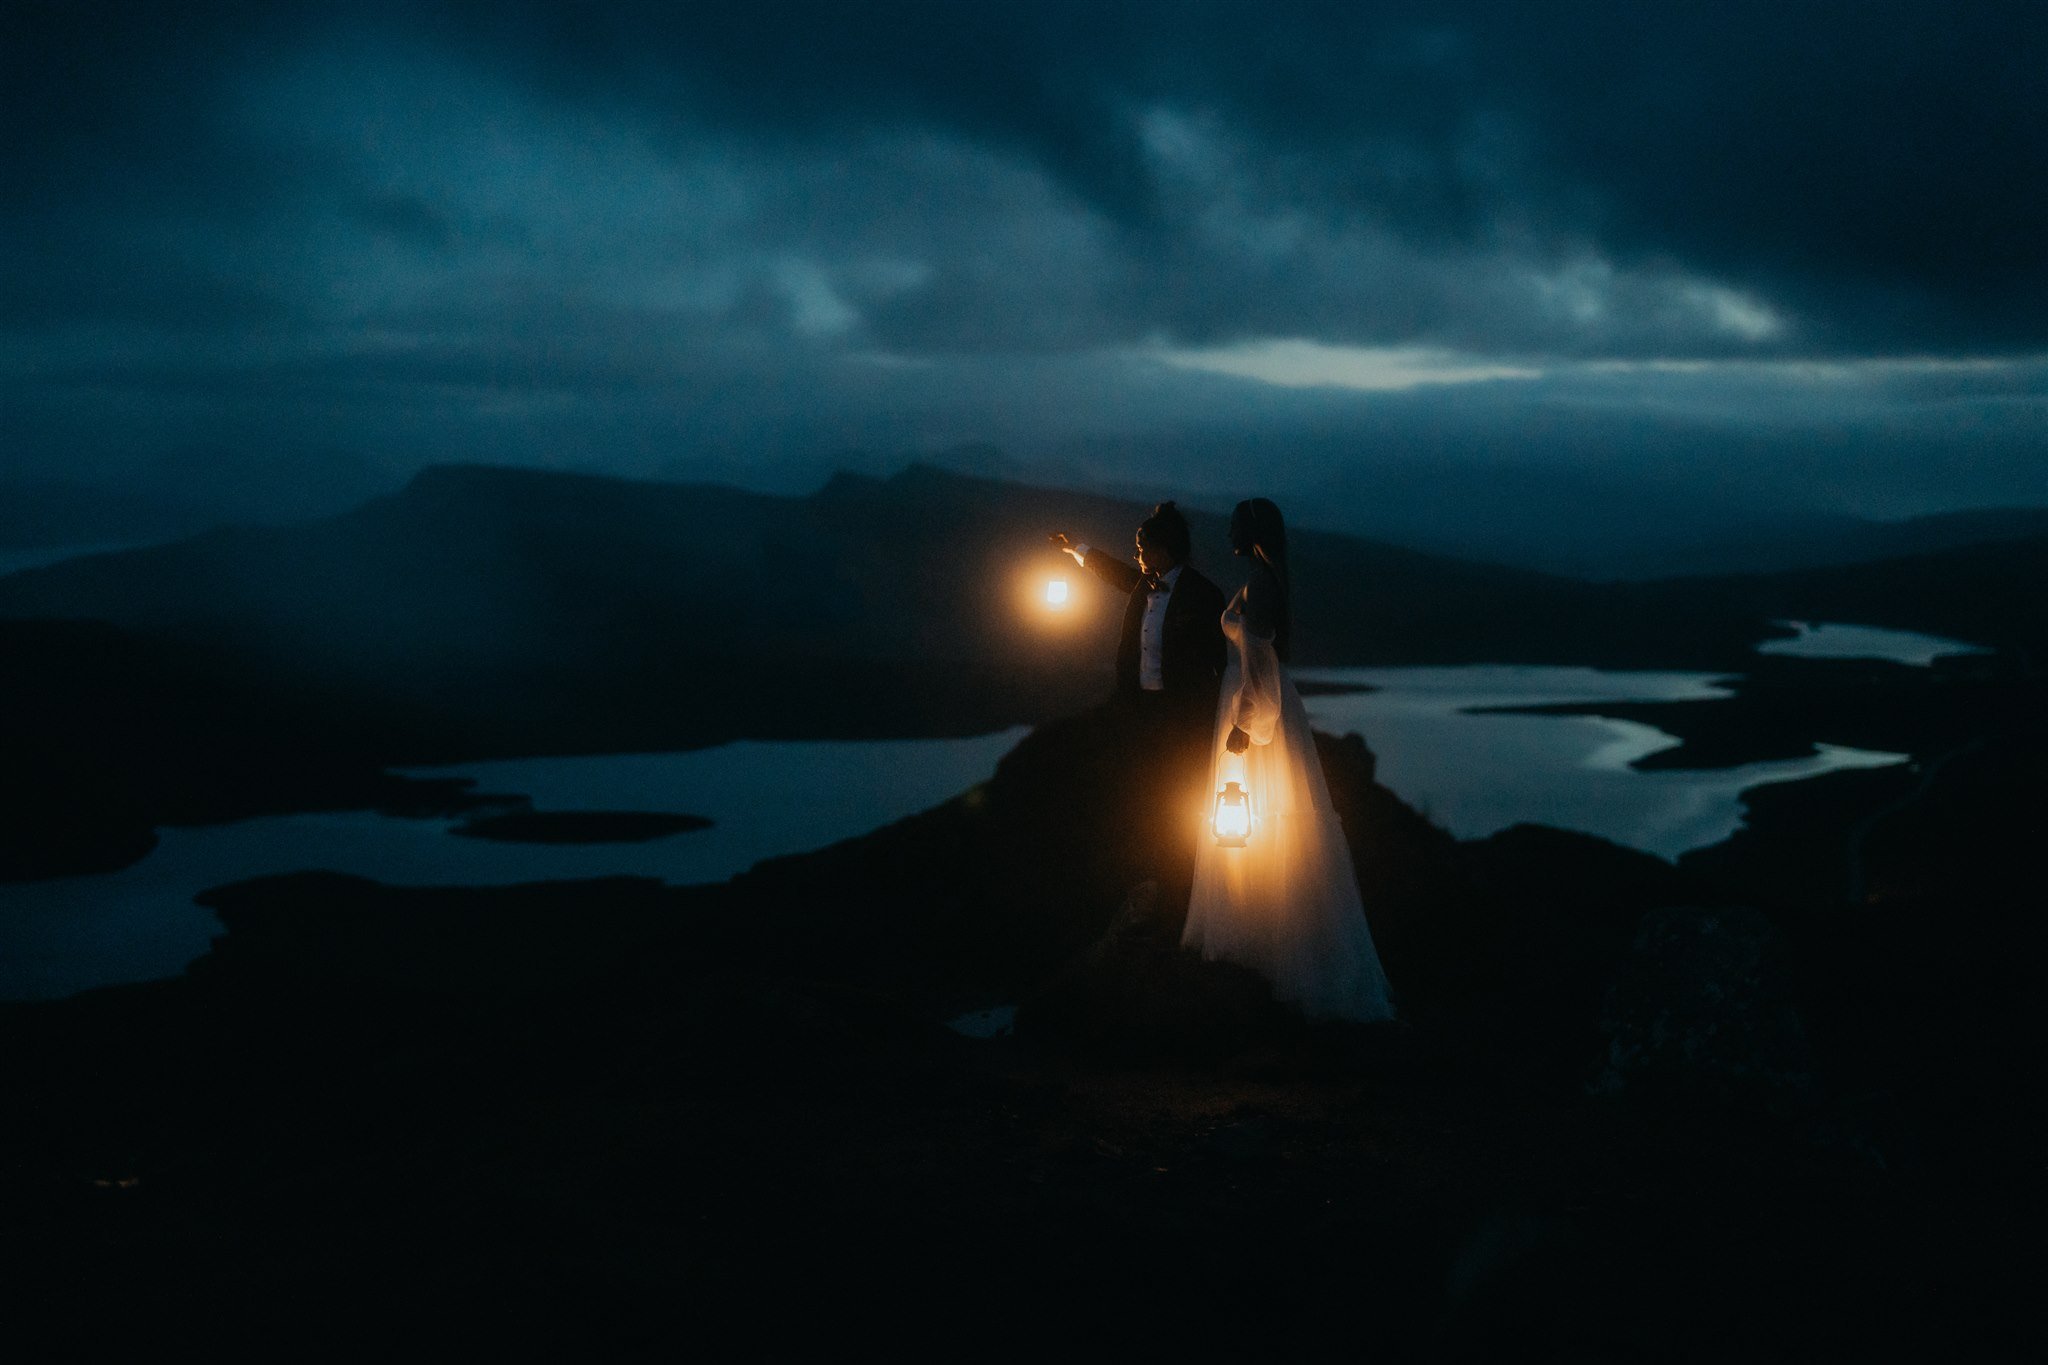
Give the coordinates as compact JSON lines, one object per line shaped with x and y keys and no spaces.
{"x":579,"y":826}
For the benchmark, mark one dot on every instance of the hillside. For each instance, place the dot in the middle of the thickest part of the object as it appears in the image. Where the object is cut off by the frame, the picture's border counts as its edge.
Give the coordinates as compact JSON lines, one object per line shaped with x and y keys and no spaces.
{"x":1626,"y":1115}
{"x":1813,"y":542}
{"x":488,"y":612}
{"x":476,"y":571}
{"x":1987,"y":594}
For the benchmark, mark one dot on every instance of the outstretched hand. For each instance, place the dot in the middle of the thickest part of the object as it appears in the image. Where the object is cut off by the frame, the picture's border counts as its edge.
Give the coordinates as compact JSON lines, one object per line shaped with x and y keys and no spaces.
{"x":1060,"y":540}
{"x":1238,"y":742}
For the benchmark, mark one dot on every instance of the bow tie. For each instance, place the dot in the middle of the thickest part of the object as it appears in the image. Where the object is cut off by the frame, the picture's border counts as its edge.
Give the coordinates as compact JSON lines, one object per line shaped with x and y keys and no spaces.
{"x":1154,"y":583}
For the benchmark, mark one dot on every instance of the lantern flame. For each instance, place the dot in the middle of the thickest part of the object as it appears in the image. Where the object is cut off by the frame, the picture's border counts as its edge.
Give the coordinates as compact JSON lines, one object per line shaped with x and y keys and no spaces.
{"x":1056,"y":592}
{"x":1233,"y":816}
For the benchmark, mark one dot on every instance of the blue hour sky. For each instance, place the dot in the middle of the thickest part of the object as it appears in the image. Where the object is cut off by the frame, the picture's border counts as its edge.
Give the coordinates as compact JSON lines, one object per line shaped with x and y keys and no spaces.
{"x":1723,"y":254}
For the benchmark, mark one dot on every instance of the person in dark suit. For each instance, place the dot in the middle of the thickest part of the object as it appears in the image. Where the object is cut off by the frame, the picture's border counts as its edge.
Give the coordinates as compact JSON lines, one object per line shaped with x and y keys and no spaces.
{"x":1169,"y":667}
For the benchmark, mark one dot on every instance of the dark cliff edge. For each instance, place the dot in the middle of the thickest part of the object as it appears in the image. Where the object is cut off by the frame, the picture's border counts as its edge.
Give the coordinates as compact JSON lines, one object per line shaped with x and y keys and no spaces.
{"x":1775,"y":1099}
{"x":1632,"y":1110}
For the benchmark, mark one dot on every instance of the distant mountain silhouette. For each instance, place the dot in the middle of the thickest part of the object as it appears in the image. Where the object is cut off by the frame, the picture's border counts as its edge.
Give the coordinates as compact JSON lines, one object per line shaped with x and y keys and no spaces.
{"x":1663,"y":544}
{"x":1822,"y":543}
{"x":476,"y":582}
{"x":1987,"y":594}
{"x":1603,"y":525}
{"x":488,"y":612}
{"x":496,"y":609}
{"x":471,"y":571}
{"x":1953,"y":530}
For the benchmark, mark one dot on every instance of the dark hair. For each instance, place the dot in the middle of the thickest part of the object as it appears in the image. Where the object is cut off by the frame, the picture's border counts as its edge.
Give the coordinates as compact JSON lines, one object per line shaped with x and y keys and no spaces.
{"x":1265,"y":530}
{"x":1167,"y":529}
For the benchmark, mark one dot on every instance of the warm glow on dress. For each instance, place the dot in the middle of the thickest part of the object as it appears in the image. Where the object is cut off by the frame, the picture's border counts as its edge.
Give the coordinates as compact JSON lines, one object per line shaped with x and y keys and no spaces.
{"x":1274,"y":888}
{"x":1056,"y":592}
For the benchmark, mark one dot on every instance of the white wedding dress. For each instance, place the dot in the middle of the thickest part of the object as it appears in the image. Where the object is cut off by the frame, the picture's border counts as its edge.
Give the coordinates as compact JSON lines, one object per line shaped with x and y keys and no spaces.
{"x":1286,"y":904}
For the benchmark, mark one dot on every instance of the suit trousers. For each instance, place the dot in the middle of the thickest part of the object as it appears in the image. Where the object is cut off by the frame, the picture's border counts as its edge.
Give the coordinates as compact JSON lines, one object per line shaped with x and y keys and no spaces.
{"x":1167,"y":767}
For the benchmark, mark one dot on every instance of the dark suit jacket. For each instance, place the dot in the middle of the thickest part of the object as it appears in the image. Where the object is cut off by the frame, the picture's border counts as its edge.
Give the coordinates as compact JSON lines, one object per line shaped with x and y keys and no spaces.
{"x":1191,"y":647}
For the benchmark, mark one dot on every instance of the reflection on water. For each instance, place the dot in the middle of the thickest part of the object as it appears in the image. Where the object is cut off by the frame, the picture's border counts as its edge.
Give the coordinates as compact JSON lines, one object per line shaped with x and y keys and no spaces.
{"x":1476,"y":774}
{"x":764,"y":799}
{"x":1829,"y":641}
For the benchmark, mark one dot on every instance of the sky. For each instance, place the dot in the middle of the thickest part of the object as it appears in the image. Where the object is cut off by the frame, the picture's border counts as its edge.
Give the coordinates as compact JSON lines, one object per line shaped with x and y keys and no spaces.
{"x":1725,"y":255}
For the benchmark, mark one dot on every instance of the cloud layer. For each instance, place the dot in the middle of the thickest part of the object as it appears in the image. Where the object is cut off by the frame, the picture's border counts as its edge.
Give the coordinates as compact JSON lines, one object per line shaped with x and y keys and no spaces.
{"x":1134,"y":242}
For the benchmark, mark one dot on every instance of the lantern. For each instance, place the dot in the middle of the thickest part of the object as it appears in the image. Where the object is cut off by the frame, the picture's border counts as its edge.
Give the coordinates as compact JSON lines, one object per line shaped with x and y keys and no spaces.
{"x":1056,"y":593}
{"x":1233,"y":816}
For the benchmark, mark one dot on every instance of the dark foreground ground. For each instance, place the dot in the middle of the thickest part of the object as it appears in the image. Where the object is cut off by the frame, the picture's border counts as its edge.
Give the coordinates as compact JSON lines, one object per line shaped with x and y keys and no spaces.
{"x":1632,"y":1111}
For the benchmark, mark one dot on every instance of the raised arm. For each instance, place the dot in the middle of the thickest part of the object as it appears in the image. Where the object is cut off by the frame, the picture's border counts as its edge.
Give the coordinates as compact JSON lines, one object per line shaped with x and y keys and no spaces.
{"x":1108,"y":568}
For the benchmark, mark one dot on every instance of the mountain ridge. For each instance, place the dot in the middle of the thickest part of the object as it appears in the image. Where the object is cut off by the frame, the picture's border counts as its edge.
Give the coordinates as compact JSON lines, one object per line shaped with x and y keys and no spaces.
{"x":472,"y":562}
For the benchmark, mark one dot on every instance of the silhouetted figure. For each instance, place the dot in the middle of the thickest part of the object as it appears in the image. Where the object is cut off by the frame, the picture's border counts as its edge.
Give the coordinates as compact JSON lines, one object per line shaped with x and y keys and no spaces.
{"x":1169,"y":663}
{"x":1280,"y":896}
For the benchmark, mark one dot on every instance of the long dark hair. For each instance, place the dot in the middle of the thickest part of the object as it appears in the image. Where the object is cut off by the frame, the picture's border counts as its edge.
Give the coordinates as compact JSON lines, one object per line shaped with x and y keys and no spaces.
{"x":1264,"y":533}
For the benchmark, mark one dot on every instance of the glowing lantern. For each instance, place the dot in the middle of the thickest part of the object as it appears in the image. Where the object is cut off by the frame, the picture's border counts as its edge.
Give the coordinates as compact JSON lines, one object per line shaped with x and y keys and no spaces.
{"x":1056,"y":592}
{"x":1233,"y":816}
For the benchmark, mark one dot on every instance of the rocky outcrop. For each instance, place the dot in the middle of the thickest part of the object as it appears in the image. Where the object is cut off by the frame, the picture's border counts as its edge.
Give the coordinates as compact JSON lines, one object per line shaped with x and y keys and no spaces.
{"x":1135,"y":996}
{"x":579,"y":826}
{"x":615,"y":1116}
{"x":1701,"y":1011}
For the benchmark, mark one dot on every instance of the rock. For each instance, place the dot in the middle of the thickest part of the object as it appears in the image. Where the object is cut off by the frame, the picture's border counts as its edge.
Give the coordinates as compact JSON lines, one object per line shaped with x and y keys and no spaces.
{"x":1350,"y":750}
{"x":1569,"y":906}
{"x":1500,"y":1294}
{"x":1135,"y":995}
{"x":306,"y":933}
{"x":579,"y":826}
{"x":1699,"y":1012}
{"x":1254,"y":1138}
{"x":1142,"y":915}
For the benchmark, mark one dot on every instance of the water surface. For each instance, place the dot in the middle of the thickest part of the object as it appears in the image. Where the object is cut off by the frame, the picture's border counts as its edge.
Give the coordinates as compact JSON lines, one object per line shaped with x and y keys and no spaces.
{"x":1473,"y":773}
{"x":1476,"y":774}
{"x":1828,"y":640}
{"x":69,"y":933}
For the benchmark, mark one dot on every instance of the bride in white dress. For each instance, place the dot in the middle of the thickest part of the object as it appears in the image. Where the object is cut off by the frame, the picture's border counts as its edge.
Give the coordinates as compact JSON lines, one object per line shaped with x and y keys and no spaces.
{"x":1285,"y":901}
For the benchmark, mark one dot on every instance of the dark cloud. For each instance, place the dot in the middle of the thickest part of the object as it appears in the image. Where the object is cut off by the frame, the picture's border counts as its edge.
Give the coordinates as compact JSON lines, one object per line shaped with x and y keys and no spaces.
{"x":657,"y":234}
{"x":1872,"y":164}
